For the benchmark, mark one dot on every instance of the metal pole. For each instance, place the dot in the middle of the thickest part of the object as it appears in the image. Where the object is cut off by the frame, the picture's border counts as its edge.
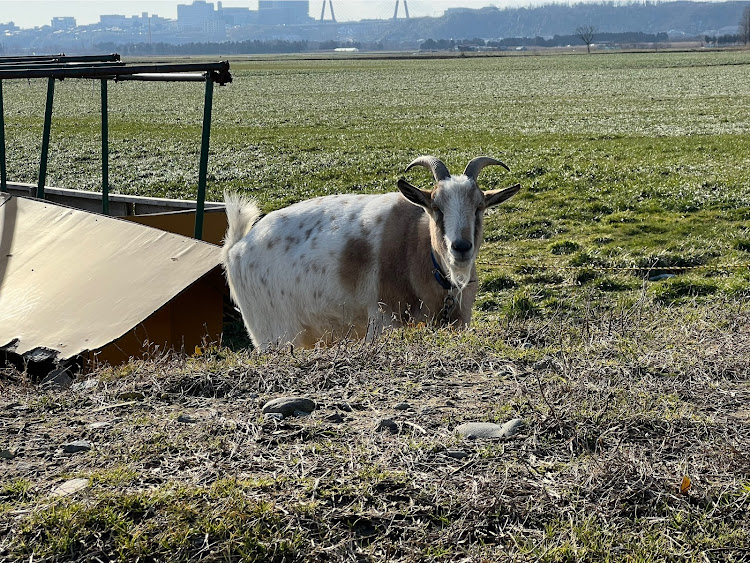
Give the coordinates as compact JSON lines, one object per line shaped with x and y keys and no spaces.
{"x":203,"y":171}
{"x":105,"y":150}
{"x":3,"y":170}
{"x":45,"y":138}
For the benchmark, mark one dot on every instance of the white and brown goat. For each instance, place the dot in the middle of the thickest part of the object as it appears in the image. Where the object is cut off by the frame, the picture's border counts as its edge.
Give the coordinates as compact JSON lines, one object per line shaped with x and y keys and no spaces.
{"x":349,"y":265}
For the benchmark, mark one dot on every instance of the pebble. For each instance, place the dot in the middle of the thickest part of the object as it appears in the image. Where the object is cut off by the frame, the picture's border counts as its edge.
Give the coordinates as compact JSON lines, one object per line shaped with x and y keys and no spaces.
{"x":187,"y":419}
{"x":7,"y":454}
{"x":289,"y":406}
{"x":77,"y":446}
{"x":59,"y":378}
{"x":85,"y":385}
{"x":402,"y":407}
{"x":69,"y":487}
{"x":336,"y":418}
{"x":387,"y":424}
{"x":490,"y":429}
{"x":457,"y":454}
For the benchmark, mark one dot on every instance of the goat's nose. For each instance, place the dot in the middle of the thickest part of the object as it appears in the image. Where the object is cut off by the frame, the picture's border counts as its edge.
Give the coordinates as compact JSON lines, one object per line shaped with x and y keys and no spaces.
{"x":461,"y":245}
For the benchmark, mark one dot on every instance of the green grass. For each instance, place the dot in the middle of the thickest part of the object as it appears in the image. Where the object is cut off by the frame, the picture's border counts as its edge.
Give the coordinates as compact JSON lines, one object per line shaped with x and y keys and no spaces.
{"x":626,"y":160}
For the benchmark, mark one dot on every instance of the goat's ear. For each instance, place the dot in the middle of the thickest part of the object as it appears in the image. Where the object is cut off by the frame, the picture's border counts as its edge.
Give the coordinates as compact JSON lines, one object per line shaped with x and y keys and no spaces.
{"x":418,"y":197}
{"x":495,"y":197}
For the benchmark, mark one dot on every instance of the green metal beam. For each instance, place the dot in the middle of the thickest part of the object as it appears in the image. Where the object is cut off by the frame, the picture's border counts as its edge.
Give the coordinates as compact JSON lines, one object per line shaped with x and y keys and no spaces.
{"x":105,"y":150}
{"x":45,"y":138}
{"x":203,"y":170}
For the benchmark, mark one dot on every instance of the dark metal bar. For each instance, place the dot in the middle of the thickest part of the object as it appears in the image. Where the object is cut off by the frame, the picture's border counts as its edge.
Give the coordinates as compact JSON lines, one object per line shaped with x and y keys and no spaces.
{"x":54,"y":65}
{"x":219,"y":71}
{"x":203,"y":169}
{"x":61,"y":58}
{"x":3,"y":170}
{"x":105,"y":150}
{"x":45,"y":138}
{"x":162,"y":77}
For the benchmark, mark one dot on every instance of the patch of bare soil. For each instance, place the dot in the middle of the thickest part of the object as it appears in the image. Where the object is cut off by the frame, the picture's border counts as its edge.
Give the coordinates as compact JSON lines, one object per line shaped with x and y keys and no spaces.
{"x":635,"y":445}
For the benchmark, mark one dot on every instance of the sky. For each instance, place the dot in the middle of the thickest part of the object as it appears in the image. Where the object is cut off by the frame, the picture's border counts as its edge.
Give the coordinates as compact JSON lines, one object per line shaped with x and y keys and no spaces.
{"x":33,"y":13}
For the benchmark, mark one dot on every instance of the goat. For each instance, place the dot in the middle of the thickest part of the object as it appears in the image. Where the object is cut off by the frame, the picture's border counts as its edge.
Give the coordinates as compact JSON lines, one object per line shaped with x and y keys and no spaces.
{"x":350,"y":265}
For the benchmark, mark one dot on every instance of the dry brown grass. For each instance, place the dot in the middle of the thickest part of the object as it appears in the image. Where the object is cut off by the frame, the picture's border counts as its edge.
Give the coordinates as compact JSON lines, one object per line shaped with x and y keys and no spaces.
{"x":619,"y":410}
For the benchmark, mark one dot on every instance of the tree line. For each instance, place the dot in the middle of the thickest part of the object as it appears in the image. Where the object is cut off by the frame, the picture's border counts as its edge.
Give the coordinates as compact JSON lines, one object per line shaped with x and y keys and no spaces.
{"x":632,"y":37}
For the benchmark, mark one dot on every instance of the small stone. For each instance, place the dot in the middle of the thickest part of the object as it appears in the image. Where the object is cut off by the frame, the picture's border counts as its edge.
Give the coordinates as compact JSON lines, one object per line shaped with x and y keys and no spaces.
{"x":186,"y":418}
{"x":7,"y":454}
{"x":402,"y":407}
{"x":98,"y":425}
{"x":77,"y":446}
{"x":85,"y":385}
{"x":387,"y":424}
{"x":59,"y":378}
{"x":457,"y":454}
{"x":512,"y":427}
{"x":69,"y":487}
{"x":288,"y":405}
{"x":335,"y":418}
{"x":490,"y":429}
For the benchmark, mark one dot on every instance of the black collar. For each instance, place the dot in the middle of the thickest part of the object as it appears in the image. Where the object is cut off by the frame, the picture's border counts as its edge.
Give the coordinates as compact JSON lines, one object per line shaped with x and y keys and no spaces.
{"x":442,"y":278}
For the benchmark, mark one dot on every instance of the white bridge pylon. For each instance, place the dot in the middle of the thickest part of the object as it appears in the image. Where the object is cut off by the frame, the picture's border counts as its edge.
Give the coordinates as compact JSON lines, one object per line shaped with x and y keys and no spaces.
{"x":333,"y":15}
{"x":323,"y":11}
{"x":406,"y":10}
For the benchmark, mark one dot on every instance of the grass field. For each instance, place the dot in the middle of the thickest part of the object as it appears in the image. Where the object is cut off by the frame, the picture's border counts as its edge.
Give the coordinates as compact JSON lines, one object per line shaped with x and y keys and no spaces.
{"x":631,"y":164}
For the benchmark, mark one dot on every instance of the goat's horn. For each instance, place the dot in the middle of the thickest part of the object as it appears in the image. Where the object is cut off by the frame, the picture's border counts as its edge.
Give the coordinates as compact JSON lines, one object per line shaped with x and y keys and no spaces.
{"x":439,"y":170}
{"x":475,"y":166}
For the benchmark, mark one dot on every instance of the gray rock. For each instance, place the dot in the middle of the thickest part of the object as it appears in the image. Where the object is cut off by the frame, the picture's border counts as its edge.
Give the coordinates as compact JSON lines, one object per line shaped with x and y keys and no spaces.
{"x":77,"y":446}
{"x":59,"y":378}
{"x":336,"y":418}
{"x":490,"y":429}
{"x":85,"y":385}
{"x":288,"y":405}
{"x":387,"y":424}
{"x":457,"y":454}
{"x":70,"y":487}
{"x":513,"y":427}
{"x":7,"y":454}
{"x":402,"y":407}
{"x":187,"y":419}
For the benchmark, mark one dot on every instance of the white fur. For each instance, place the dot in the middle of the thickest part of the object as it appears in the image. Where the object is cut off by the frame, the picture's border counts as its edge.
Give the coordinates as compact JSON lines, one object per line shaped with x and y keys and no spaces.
{"x":313,"y":270}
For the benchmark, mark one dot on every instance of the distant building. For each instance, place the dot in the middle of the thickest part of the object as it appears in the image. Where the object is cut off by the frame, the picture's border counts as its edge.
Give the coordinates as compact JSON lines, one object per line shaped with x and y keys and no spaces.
{"x":63,"y":23}
{"x":234,"y":17}
{"x":193,"y":17}
{"x":283,"y":12}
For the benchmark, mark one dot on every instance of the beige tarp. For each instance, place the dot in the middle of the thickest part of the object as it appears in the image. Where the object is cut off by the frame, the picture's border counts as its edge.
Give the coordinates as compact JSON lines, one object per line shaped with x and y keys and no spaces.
{"x":73,"y":281}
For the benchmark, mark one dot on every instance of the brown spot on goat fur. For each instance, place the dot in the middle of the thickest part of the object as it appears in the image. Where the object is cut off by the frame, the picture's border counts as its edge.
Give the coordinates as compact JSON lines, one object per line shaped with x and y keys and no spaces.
{"x":405,"y":248}
{"x":354,"y":263}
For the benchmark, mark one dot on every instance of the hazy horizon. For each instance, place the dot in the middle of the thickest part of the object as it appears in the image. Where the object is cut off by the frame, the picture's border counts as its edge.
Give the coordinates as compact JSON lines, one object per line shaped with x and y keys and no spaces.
{"x":35,"y":13}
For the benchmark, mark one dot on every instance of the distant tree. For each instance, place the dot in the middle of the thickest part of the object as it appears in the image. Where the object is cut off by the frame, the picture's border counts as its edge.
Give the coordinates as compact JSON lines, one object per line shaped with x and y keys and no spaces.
{"x":745,"y":25}
{"x":586,"y":34}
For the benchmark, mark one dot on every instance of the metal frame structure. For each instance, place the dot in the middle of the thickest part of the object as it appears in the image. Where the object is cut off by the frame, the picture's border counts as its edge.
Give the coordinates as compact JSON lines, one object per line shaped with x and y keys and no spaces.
{"x":106,"y":68}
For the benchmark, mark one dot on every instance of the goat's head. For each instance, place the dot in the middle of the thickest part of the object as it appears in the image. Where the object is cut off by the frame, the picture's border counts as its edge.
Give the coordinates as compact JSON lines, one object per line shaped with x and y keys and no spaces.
{"x":456,"y":209}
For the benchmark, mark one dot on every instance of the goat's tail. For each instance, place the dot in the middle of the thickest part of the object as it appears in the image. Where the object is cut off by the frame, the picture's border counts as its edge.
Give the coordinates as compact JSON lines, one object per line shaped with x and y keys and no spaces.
{"x":242,"y":213}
